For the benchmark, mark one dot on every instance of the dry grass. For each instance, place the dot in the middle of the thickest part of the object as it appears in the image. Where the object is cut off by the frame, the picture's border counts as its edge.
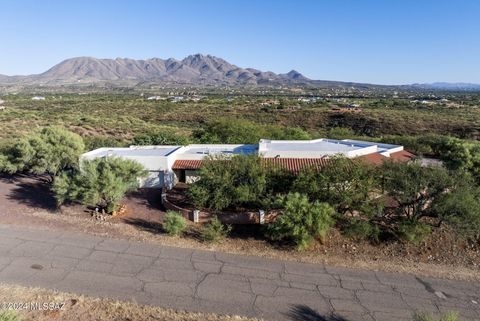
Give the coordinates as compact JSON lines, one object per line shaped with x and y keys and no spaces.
{"x":79,"y":307}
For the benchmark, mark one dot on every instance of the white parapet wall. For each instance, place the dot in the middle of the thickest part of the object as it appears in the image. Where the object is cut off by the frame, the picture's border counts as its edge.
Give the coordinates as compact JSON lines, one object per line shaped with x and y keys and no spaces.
{"x":157,"y":160}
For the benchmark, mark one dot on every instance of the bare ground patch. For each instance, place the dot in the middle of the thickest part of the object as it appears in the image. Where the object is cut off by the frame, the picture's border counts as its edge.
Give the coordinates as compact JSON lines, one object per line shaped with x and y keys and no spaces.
{"x":72,"y":307}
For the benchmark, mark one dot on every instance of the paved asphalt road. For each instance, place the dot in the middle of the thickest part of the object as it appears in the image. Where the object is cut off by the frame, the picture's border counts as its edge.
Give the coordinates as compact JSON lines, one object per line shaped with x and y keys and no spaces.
{"x":222,"y":283}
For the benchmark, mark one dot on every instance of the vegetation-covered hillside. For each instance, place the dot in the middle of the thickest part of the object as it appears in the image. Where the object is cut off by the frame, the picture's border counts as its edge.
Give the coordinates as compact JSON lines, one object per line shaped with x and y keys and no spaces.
{"x":123,"y":116}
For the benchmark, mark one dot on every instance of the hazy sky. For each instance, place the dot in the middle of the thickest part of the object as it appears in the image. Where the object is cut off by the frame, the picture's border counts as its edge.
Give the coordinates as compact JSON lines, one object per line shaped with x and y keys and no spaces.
{"x":384,"y":41}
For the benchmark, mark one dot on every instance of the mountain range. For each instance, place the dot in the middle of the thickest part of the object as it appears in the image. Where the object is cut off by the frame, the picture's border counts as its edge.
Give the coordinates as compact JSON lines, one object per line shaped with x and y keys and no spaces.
{"x":194,"y":70}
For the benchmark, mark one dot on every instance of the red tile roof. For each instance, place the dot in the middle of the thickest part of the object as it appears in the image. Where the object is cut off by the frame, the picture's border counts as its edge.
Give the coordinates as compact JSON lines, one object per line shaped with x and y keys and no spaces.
{"x":402,"y":156}
{"x":378,"y":159}
{"x":187,"y":164}
{"x":292,"y":164}
{"x":375,"y":159}
{"x":296,"y":164}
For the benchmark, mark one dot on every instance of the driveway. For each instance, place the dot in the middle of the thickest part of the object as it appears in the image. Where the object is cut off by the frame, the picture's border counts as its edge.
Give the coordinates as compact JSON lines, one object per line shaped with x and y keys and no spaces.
{"x":216,"y":282}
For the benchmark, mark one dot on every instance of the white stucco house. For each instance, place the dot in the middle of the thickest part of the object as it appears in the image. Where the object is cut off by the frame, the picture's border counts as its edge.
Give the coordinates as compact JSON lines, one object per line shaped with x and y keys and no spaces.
{"x":168,"y":165}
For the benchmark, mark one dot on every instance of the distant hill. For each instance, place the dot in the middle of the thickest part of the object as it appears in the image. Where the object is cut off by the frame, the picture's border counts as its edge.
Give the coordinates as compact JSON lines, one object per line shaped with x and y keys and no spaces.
{"x":195,"y":70}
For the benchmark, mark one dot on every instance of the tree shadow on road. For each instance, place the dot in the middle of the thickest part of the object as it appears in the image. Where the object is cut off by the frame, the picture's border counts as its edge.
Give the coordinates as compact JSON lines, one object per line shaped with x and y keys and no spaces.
{"x":305,"y":313}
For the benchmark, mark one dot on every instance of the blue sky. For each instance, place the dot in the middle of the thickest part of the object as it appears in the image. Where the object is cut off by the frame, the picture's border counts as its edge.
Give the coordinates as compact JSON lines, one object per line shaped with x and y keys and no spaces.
{"x":386,"y":42}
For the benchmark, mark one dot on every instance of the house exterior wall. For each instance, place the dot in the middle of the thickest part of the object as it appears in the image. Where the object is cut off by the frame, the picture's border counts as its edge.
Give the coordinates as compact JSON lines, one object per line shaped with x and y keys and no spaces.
{"x":191,"y":176}
{"x":155,"y":179}
{"x":159,"y":160}
{"x":159,"y":168}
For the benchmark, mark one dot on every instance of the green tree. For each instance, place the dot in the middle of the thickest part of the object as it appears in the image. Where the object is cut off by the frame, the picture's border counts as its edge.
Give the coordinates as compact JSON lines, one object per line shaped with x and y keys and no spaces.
{"x":414,"y":187}
{"x":301,"y":221}
{"x":430,"y":145}
{"x":229,"y":182}
{"x":236,"y":131}
{"x":458,"y":155}
{"x":460,"y":208}
{"x":285,"y":133}
{"x":94,"y":142}
{"x":16,"y":156}
{"x":340,"y":133}
{"x":344,"y":183}
{"x":100,"y":182}
{"x":229,"y":131}
{"x":49,"y":151}
{"x":160,"y":138}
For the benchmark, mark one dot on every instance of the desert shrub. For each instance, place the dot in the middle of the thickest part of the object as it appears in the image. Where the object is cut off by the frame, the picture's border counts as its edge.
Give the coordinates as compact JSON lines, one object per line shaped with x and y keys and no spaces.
{"x":429,"y":145}
{"x":447,"y":196}
{"x":7,"y":315}
{"x":48,"y":151}
{"x":413,"y":231}
{"x":340,"y":133}
{"x":301,"y":221}
{"x":434,"y":143}
{"x":278,"y":182}
{"x":462,"y":155}
{"x":344,"y":183}
{"x":414,"y":187}
{"x":238,"y":131}
{"x":458,"y":155}
{"x":6,"y":165}
{"x":94,"y":142}
{"x":215,"y":231}
{"x":228,"y":131}
{"x":359,"y":229}
{"x":174,"y":223}
{"x":163,"y":137}
{"x":460,"y":209}
{"x":233,"y":182}
{"x":100,"y":182}
{"x":284,"y":133}
{"x":451,"y":316}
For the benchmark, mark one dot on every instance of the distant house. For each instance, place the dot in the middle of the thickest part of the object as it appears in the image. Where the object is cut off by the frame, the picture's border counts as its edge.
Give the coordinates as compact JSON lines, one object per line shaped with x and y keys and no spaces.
{"x":309,"y":99}
{"x":168,"y":165}
{"x":156,"y":98}
{"x":38,"y":98}
{"x":176,"y":99}
{"x":270,"y":102}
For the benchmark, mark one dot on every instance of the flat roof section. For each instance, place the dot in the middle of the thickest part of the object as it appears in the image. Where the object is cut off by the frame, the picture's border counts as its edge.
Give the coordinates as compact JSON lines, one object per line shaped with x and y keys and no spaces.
{"x":133,"y":151}
{"x":381,"y":146}
{"x":212,"y":149}
{"x":318,"y":145}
